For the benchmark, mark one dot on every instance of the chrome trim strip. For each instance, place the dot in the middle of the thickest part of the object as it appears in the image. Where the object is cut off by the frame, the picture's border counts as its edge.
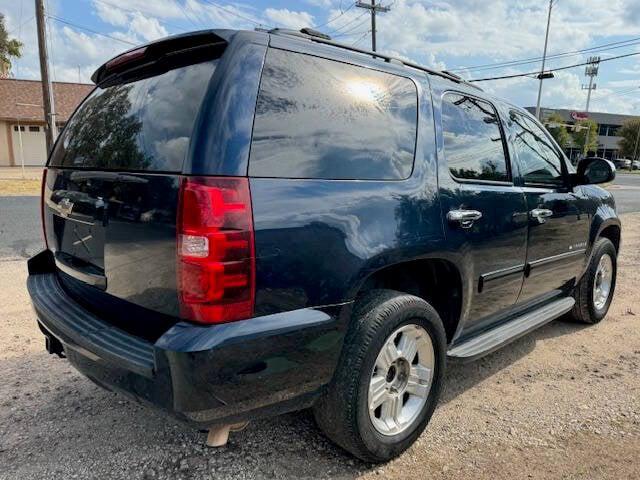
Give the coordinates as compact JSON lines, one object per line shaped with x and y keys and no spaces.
{"x":555,"y":258}
{"x":98,"y":281}
{"x":497,"y":274}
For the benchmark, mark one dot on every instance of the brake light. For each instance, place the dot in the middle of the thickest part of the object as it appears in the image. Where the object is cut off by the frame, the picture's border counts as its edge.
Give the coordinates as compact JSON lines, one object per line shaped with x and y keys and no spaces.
{"x":126,"y":57}
{"x":42,"y":204}
{"x":216,"y":259}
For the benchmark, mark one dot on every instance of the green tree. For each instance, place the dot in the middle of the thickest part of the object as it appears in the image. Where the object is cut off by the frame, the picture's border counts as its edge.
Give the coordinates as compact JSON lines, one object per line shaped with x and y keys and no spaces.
{"x":9,"y":48}
{"x":629,"y":133}
{"x":580,"y":136}
{"x":559,"y":131}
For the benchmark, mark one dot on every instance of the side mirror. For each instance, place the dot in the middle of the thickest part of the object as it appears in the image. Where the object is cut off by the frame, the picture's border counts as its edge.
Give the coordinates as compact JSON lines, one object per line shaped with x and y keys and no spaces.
{"x":594,"y":170}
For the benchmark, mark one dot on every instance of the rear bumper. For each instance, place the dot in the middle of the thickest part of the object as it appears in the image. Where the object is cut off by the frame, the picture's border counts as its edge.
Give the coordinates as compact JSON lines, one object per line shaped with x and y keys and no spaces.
{"x":202,"y":374}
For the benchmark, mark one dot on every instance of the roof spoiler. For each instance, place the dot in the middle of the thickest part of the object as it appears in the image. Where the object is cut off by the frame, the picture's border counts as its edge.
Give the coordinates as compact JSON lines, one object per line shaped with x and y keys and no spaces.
{"x":160,"y":56}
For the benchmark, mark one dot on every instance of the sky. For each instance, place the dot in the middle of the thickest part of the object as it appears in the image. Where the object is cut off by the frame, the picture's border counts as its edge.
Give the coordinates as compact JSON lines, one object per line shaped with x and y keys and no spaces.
{"x":457,"y":35}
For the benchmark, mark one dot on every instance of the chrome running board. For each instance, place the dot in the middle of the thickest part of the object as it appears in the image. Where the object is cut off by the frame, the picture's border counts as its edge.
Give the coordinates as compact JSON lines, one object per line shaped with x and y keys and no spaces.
{"x":491,"y":340}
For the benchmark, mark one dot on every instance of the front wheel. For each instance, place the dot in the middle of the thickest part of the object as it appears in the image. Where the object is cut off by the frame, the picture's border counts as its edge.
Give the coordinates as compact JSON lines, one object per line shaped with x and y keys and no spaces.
{"x":595,"y":290}
{"x":388,"y":379}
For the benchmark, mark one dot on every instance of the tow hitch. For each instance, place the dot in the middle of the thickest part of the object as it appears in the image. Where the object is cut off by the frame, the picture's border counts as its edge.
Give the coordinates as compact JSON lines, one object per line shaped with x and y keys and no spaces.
{"x":53,"y":346}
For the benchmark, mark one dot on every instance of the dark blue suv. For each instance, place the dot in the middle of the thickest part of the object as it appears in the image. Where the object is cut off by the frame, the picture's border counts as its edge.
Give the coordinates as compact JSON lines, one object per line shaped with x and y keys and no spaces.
{"x":241,"y":224}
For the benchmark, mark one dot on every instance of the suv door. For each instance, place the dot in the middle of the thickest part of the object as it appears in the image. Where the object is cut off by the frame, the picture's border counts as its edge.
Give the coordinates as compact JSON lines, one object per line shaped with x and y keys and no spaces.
{"x":558,"y":221}
{"x":483,"y":211}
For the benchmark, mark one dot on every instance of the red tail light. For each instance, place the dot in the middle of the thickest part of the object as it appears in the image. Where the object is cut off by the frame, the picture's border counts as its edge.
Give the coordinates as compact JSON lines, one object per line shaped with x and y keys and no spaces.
{"x":216,"y":259}
{"x":42,"y":204}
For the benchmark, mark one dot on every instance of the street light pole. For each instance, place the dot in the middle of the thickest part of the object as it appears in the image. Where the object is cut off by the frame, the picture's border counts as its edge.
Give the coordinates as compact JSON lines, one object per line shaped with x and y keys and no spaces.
{"x":591,"y":71}
{"x":544,"y":59}
{"x":635,"y":150}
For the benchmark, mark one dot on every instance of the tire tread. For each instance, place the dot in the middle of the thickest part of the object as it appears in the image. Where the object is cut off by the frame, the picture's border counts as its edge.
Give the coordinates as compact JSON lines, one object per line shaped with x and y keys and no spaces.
{"x":583,"y":311}
{"x":336,"y":412}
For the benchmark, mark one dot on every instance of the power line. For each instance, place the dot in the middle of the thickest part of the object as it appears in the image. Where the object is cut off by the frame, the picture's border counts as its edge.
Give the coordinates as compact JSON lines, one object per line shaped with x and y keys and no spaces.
{"x":503,"y":77}
{"x":618,"y":94}
{"x":21,"y":23}
{"x":348,"y":23}
{"x":351,"y":30}
{"x":596,"y":49}
{"x":82,"y":27}
{"x":342,"y":35}
{"x":361,"y":38}
{"x":188,"y":16}
{"x":224,"y":9}
{"x":342,"y":12}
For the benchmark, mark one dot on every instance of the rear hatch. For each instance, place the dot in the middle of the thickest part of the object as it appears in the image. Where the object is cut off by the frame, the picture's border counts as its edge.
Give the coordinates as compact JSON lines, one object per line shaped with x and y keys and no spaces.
{"x":111,"y":191}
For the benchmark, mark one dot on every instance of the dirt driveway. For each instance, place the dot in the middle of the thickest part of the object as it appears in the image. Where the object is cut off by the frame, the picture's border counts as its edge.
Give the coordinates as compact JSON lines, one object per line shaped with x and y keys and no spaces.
{"x":563,"y":402}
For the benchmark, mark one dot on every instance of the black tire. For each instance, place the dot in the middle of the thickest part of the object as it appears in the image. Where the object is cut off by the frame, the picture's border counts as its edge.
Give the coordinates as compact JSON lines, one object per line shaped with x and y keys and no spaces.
{"x":342,"y":413}
{"x":585,"y":311}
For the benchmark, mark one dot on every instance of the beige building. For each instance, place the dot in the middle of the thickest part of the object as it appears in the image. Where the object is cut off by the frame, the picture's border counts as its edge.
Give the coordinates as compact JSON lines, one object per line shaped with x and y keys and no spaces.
{"x":22,"y":127}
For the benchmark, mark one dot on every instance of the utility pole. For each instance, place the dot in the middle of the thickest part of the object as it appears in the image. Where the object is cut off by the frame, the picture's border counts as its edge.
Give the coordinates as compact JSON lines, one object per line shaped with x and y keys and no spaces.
{"x":544,"y":60}
{"x":374,"y":9}
{"x":591,"y":71}
{"x":47,"y":89}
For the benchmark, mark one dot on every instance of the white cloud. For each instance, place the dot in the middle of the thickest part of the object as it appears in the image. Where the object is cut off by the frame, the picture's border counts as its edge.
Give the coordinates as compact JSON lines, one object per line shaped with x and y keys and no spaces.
{"x":147,"y":28}
{"x":439,"y":33}
{"x":289,"y":19}
{"x":111,"y":14}
{"x":320,"y":3}
{"x":162,"y":9}
{"x":139,"y":25}
{"x":208,"y":15}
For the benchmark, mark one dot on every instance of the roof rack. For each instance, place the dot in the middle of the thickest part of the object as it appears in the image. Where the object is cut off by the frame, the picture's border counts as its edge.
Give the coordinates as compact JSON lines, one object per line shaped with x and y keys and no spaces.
{"x":320,"y":37}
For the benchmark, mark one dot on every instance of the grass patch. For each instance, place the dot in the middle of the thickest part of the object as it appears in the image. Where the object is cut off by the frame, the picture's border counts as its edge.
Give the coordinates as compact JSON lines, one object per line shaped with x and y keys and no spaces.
{"x":19,"y":187}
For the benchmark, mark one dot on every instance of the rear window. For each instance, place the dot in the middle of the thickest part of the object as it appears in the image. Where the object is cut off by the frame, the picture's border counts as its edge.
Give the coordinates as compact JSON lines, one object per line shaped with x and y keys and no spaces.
{"x":143,"y":125}
{"x":318,"y":118}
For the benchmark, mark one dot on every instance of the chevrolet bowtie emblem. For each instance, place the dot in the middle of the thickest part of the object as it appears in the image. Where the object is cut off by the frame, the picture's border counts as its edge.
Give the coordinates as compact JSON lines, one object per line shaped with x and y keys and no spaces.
{"x":65,"y":206}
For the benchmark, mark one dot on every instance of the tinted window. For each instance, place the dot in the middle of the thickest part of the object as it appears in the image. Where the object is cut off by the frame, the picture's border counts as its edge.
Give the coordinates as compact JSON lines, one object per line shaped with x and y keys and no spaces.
{"x":538,"y":158}
{"x":318,"y":118}
{"x":143,"y":125}
{"x":473,"y":143}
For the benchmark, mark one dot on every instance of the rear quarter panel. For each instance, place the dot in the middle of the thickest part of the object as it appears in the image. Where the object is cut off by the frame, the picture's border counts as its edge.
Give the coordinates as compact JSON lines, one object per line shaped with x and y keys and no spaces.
{"x":601,"y":208}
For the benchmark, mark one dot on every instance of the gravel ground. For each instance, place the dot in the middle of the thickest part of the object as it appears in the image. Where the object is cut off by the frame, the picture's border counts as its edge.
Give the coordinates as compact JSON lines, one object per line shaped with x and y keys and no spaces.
{"x":563,"y":402}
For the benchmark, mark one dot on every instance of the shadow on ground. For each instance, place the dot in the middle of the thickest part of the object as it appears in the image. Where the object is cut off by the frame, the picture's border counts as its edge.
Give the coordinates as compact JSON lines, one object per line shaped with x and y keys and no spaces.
{"x":56,"y":422}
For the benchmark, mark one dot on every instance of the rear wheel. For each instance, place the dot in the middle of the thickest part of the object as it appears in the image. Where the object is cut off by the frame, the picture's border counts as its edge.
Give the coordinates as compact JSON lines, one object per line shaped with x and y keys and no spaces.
{"x":389,"y":377}
{"x":595,"y":290}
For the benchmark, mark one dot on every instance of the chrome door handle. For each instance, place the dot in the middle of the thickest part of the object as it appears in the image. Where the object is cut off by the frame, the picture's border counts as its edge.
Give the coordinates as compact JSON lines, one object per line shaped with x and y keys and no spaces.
{"x":541,"y":214}
{"x":464,"y":217}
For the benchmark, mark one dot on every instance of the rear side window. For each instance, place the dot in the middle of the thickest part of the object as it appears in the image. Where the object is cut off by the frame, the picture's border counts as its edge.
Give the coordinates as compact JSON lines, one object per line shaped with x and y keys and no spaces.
{"x":473,"y":143}
{"x":143,"y":125}
{"x":318,"y":118}
{"x":539,"y":161}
